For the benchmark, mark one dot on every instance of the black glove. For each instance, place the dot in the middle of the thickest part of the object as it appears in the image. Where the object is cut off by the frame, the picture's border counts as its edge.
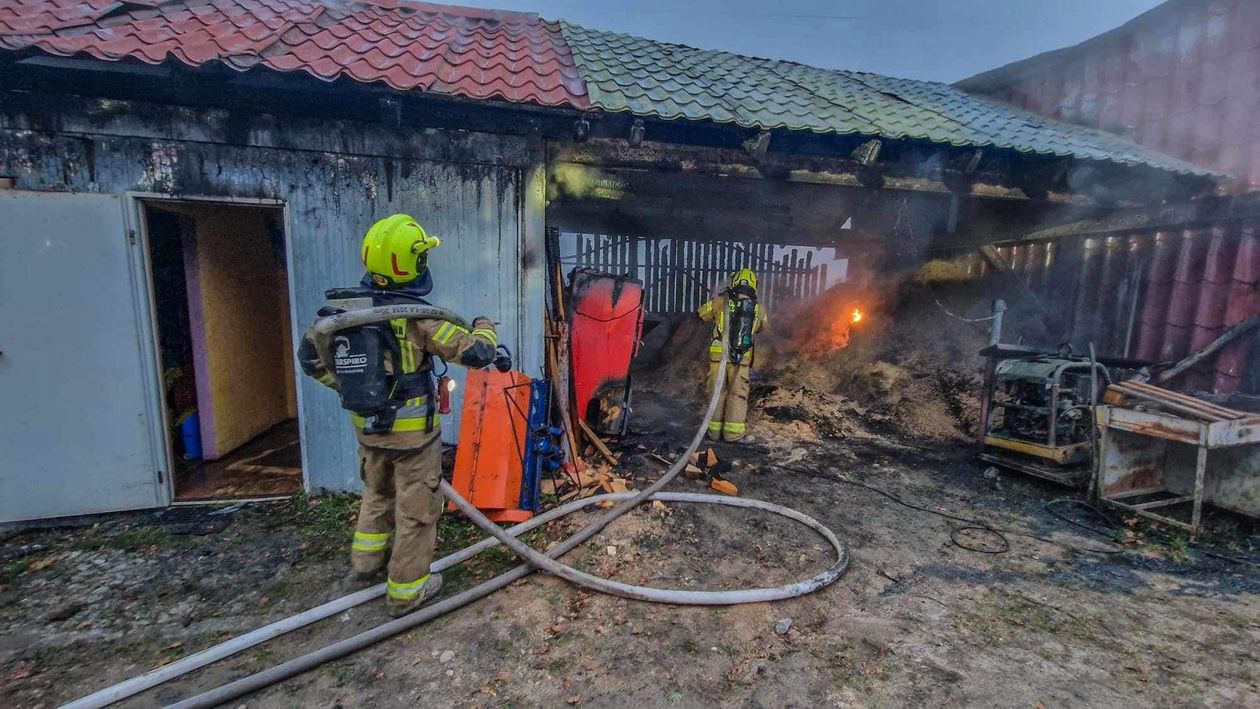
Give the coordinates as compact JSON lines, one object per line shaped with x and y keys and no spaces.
{"x":502,"y":359}
{"x":308,"y":357}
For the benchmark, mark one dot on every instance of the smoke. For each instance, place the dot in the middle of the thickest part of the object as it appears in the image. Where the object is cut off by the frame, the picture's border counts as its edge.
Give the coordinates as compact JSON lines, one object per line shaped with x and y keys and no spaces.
{"x":579,"y":182}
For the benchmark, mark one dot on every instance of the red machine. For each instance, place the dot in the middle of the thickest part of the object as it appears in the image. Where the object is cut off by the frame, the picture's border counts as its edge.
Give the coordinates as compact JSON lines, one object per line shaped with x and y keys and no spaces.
{"x":605,"y":324}
{"x":492,"y":438}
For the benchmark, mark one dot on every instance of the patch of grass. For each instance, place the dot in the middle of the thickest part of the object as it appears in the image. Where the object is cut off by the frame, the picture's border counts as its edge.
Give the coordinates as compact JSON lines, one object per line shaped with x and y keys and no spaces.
{"x":330,"y":514}
{"x":339,"y":671}
{"x":1000,"y":620}
{"x":456,"y":532}
{"x":324,"y":523}
{"x":1179,"y":549}
{"x":129,"y":539}
{"x":14,"y":569}
{"x":142,"y":538}
{"x":263,"y":658}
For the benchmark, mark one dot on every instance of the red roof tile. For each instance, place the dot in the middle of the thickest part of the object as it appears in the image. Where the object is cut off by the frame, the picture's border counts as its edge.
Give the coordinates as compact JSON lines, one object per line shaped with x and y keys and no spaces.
{"x":451,"y":50}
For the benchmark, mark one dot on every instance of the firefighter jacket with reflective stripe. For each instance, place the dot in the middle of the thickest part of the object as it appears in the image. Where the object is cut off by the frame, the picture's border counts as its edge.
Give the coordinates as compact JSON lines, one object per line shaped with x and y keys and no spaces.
{"x":418,"y":340}
{"x":716,"y":311}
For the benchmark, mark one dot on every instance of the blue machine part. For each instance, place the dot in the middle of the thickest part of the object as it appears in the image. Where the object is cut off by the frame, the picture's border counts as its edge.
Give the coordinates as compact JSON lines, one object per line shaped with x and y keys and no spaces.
{"x":544,"y":453}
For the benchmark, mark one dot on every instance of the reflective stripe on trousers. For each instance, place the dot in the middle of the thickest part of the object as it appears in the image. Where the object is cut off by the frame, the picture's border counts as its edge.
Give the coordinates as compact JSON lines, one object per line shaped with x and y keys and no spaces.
{"x":370,"y":542}
{"x":405,"y":591}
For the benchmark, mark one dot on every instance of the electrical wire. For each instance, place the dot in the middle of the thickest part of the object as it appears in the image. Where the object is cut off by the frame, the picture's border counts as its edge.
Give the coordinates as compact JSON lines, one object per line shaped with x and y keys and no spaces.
{"x":971,"y":524}
{"x":957,"y":531}
{"x":952,"y":314}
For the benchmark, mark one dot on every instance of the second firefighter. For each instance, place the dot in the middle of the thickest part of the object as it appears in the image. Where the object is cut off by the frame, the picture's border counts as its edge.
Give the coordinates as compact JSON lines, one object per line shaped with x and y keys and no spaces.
{"x":736,"y":315}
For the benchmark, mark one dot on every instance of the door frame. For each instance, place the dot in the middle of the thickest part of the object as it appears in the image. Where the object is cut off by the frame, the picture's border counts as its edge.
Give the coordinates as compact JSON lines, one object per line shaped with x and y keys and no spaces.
{"x":146,"y":306}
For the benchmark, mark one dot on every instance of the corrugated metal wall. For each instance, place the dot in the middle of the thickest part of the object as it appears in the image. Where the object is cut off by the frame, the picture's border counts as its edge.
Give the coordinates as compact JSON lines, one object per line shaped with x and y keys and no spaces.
{"x":1183,"y":79}
{"x":1153,"y":295}
{"x":481,"y":194}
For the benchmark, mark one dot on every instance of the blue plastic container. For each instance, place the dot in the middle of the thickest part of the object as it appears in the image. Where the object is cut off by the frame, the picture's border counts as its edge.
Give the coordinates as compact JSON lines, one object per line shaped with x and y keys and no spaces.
{"x":190,"y":429}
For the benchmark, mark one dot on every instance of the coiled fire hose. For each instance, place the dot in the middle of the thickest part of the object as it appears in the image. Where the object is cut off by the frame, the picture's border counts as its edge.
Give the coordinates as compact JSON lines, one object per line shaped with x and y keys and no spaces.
{"x":323,"y":329}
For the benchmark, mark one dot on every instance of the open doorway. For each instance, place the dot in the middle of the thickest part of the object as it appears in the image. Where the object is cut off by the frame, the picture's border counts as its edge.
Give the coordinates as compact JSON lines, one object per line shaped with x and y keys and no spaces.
{"x":221,"y":309}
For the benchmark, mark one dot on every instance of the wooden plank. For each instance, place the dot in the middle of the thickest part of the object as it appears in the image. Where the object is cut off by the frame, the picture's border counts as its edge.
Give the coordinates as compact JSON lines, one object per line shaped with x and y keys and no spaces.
{"x":728,"y":261}
{"x":1183,"y":399}
{"x":1225,"y":338}
{"x":634,"y":258}
{"x":649,"y":275}
{"x":796,"y":275}
{"x":706,"y":268}
{"x":807,"y":290}
{"x":662,"y":277}
{"x":767,"y":292}
{"x":1155,"y":425}
{"x":783,"y":284}
{"x":686,"y":289}
{"x":1163,"y":503}
{"x":560,"y":392}
{"x":1170,"y":405}
{"x":597,"y":442}
{"x":675,"y":275}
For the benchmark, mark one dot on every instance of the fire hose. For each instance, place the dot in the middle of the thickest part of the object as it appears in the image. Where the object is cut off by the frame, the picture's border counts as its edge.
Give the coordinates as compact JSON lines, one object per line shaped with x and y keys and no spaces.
{"x":535,"y":560}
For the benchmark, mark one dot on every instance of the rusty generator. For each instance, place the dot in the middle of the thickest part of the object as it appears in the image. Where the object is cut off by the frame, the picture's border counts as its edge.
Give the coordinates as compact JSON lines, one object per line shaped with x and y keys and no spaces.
{"x":1037,"y":412}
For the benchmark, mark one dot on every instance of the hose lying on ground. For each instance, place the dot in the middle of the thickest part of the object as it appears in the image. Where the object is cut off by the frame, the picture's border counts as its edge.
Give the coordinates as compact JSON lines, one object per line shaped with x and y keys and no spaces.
{"x":628,"y":501}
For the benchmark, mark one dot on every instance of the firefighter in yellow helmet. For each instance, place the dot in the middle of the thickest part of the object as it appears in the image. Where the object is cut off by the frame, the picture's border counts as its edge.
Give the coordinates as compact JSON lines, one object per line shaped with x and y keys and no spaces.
{"x":400,"y":451}
{"x":736,"y":315}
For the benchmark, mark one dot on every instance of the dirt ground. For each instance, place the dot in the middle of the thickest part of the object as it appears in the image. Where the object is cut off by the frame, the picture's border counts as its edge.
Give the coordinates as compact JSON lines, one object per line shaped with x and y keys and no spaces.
{"x":1065,"y":616}
{"x":917,"y":620}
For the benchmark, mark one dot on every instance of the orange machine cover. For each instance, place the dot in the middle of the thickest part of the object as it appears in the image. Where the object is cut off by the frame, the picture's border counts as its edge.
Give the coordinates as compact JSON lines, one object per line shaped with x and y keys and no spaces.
{"x":488,"y":460}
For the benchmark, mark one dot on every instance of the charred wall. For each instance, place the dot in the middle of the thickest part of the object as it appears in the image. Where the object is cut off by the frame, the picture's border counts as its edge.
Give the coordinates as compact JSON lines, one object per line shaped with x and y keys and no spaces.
{"x":1152,"y":294}
{"x":481,"y":193}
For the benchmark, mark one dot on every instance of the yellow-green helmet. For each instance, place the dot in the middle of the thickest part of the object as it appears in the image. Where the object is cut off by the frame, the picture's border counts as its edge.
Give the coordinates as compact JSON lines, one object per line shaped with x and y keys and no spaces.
{"x":396,"y":250}
{"x":744,"y":277}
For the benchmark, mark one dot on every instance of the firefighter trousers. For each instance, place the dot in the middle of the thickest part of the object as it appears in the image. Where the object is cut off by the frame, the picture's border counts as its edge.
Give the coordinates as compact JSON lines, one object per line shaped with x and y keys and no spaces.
{"x":401,"y":504}
{"x":729,"y":420}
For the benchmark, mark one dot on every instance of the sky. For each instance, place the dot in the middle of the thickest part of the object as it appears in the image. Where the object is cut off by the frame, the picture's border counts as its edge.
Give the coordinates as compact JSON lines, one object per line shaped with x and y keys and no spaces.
{"x":937,"y":40}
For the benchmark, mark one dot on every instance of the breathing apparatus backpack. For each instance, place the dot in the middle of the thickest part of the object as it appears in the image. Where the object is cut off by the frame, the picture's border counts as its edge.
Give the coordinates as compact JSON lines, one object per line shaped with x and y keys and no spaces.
{"x":741,"y":316}
{"x":367,"y":386}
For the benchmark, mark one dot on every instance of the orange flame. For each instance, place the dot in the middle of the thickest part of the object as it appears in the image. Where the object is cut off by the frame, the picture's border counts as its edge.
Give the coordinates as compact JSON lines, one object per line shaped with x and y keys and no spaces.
{"x":857,"y":316}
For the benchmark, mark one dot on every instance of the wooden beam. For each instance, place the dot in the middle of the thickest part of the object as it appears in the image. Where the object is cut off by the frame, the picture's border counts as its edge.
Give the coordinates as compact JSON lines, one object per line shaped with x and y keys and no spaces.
{"x":1226,"y":337}
{"x":597,"y":442}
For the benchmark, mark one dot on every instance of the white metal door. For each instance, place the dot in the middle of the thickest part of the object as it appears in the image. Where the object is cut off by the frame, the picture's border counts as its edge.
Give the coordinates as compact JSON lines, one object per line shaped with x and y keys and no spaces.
{"x":76,"y":433}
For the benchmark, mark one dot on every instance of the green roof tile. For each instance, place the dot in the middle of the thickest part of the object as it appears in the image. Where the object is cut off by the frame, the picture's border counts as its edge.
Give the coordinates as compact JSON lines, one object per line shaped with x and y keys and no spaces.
{"x":674,"y":81}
